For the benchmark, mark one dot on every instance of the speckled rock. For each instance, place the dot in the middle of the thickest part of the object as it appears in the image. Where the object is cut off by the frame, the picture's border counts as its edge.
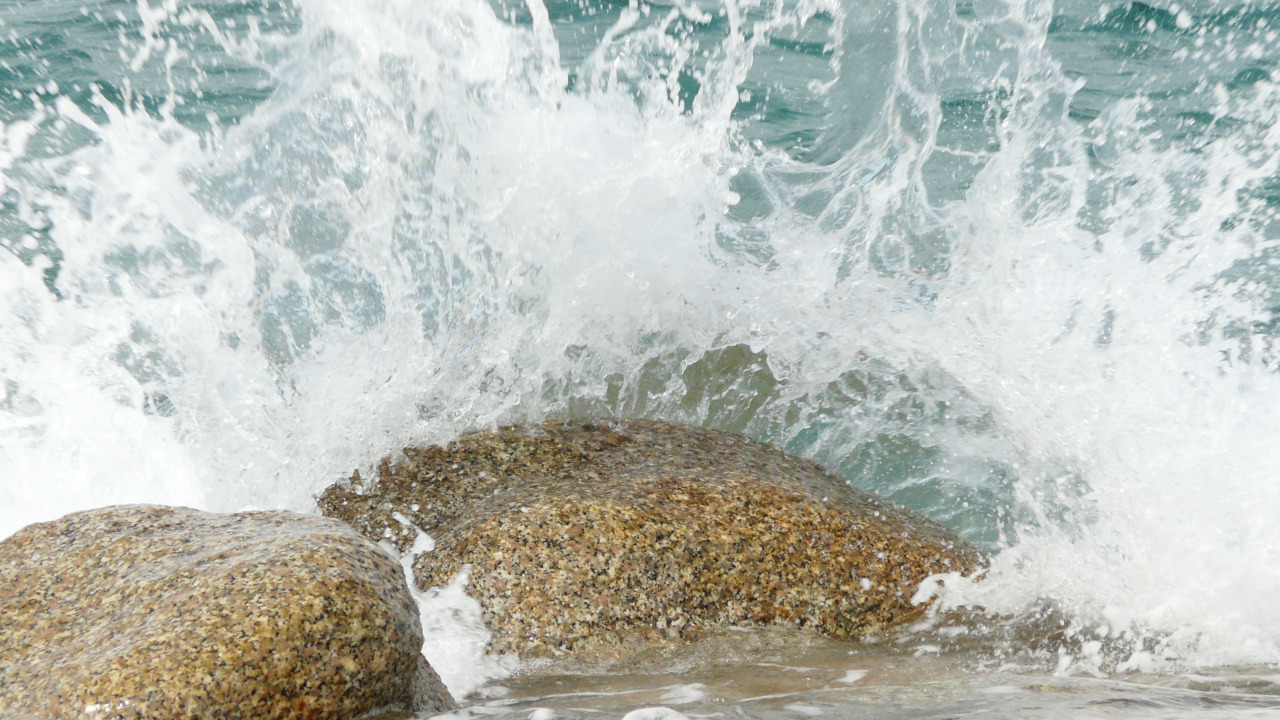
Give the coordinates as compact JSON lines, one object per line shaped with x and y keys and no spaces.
{"x":139,"y":611}
{"x":585,"y":536}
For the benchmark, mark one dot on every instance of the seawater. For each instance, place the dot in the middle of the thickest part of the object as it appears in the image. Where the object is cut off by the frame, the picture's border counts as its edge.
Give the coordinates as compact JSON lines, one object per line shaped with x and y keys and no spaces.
{"x":1012,"y":263}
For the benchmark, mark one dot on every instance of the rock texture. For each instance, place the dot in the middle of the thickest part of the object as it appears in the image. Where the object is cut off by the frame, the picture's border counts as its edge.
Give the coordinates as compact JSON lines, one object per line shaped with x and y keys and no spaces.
{"x":154,"y":612}
{"x":583,"y":536}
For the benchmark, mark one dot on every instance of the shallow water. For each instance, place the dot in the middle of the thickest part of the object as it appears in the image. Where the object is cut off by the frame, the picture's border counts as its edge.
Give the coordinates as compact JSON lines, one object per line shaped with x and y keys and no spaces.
{"x":766,"y":675}
{"x":1009,"y":262}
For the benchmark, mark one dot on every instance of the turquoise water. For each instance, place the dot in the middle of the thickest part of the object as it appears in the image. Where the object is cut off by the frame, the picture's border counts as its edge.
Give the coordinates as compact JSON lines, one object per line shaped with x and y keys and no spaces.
{"x":1012,"y":264}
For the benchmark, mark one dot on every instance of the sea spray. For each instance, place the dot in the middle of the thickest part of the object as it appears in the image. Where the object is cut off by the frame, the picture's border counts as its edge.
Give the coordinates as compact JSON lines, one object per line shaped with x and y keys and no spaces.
{"x":1011,"y":263}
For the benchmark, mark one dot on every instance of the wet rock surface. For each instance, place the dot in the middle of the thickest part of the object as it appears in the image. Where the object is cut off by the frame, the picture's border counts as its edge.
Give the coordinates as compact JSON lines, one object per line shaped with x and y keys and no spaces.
{"x":590,"y":536}
{"x":154,"y":612}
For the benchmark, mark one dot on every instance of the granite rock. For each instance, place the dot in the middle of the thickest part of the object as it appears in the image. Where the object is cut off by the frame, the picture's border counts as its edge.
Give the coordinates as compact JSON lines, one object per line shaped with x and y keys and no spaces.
{"x":583,"y":537}
{"x":141,"y":611}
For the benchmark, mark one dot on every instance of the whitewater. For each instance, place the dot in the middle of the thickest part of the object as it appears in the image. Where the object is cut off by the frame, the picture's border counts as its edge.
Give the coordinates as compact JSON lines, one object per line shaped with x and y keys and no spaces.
{"x":1012,"y":263}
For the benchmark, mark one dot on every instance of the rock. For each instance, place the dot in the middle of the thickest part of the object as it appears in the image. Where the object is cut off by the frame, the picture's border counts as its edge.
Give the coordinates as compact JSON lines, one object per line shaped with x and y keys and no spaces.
{"x":582,"y":536}
{"x":152,"y":612}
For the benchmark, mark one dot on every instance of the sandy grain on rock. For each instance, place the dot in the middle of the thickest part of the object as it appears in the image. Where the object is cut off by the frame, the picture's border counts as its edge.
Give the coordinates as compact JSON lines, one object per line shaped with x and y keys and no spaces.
{"x":154,"y":612}
{"x":589,"y":536}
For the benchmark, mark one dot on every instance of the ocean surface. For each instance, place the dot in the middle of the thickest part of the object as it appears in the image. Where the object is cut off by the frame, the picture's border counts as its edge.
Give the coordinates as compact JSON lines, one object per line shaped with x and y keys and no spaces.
{"x":1012,"y":263}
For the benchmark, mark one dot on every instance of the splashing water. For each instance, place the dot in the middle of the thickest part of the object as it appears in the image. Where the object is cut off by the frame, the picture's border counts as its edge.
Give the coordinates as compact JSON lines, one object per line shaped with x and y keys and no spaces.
{"x":1011,"y":263}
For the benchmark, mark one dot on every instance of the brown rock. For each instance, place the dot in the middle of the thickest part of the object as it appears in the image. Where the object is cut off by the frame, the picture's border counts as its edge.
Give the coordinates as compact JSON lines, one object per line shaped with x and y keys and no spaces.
{"x":584,"y":536}
{"x":152,"y":612}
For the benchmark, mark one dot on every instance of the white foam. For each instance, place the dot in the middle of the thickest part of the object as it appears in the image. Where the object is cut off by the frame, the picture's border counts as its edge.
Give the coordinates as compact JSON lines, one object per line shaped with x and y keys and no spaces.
{"x":684,"y":694}
{"x":1167,"y":433}
{"x":853,"y":676}
{"x":655,"y":713}
{"x":455,"y":637}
